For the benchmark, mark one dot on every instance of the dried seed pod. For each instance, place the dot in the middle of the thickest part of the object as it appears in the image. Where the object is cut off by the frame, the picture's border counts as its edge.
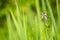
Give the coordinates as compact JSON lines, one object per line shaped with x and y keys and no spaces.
{"x":43,"y":15}
{"x":44,"y":18}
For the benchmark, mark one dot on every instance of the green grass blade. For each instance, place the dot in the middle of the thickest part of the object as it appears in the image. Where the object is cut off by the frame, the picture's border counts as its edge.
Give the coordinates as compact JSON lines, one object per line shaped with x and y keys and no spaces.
{"x":52,"y":18}
{"x":43,"y":5}
{"x":39,"y":24}
{"x":25,"y":27}
{"x":9,"y":26}
{"x":57,"y":5}
{"x":15,"y":22}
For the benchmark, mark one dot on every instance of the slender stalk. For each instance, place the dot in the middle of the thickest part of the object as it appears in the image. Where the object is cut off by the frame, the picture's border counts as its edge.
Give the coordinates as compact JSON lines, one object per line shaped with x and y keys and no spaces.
{"x":57,"y":4}
{"x":9,"y":26}
{"x":47,"y":33}
{"x":25,"y":27}
{"x":31,"y":22}
{"x":15,"y":22}
{"x":38,"y":15}
{"x":19,"y":20}
{"x":44,"y":10}
{"x":53,"y":20}
{"x":43,"y":5}
{"x":39,"y":24}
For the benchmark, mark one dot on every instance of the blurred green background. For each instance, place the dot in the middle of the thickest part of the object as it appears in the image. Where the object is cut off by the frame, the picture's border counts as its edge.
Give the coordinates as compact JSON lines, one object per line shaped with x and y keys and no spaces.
{"x":29,"y":19}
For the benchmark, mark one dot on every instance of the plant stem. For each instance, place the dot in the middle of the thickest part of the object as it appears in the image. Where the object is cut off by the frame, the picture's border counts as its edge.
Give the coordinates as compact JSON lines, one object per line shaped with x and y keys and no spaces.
{"x":9,"y":26}
{"x":53,"y":20}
